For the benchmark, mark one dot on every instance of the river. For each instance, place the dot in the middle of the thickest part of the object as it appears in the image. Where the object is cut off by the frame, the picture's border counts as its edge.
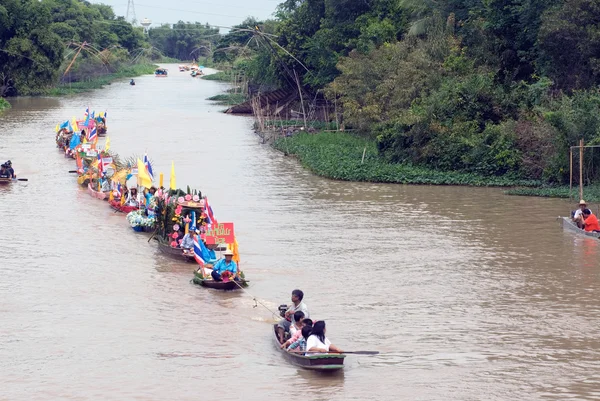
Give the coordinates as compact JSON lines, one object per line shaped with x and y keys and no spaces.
{"x":468,"y":294}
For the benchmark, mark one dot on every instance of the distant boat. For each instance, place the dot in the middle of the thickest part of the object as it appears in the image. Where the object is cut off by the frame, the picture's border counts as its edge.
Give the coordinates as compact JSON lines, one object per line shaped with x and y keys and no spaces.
{"x":161,"y":73}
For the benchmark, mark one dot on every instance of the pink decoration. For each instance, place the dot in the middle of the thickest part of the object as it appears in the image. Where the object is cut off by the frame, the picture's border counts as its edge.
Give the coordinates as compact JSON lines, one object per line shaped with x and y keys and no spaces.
{"x":176,"y":227}
{"x":174,"y":235}
{"x":188,"y":197}
{"x":195,"y":198}
{"x":174,"y":244}
{"x":178,"y":210}
{"x":187,"y":220}
{"x":180,"y":199}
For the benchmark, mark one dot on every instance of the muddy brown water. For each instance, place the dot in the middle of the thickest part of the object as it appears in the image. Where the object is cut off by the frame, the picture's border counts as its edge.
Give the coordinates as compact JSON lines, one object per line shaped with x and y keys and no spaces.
{"x":468,"y":294}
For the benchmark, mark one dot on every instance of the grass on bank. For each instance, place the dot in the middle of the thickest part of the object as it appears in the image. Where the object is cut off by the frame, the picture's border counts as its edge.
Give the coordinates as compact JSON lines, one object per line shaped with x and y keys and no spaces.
{"x":229,"y":99}
{"x":223,"y":76}
{"x":4,"y":105}
{"x":101,"y":81}
{"x":591,"y":193}
{"x":338,"y":155}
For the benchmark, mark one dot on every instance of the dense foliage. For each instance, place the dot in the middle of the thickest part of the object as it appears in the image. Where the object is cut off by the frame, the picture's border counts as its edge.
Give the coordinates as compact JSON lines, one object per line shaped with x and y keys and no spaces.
{"x":184,"y":40}
{"x":39,"y":38}
{"x":495,"y":88}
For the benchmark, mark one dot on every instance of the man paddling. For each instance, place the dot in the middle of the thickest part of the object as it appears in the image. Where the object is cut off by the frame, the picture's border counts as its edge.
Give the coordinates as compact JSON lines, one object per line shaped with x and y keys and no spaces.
{"x":4,"y":173}
{"x":225,"y":268}
{"x":288,"y":318}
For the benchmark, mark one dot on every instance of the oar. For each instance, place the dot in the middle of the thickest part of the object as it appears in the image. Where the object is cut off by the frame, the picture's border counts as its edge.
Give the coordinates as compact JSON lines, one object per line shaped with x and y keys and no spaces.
{"x":153,"y":234}
{"x":346,"y":352}
{"x":72,"y":171}
{"x":22,"y":179}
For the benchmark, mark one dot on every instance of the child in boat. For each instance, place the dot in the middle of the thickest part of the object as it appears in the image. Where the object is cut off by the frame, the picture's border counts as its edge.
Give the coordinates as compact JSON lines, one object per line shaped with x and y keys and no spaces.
{"x":297,"y":325}
{"x":300,"y":344}
{"x":298,"y":334}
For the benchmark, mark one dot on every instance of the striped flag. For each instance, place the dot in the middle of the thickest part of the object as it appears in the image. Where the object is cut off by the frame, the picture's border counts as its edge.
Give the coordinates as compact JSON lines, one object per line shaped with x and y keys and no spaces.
{"x":148,"y":167}
{"x":209,"y":212}
{"x":92,"y":135}
{"x":87,"y":112}
{"x":198,"y":255}
{"x":100,"y":167}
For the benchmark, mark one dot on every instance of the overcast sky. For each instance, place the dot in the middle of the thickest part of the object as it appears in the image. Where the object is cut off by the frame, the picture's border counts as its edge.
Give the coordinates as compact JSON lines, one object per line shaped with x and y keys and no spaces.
{"x":216,"y":12}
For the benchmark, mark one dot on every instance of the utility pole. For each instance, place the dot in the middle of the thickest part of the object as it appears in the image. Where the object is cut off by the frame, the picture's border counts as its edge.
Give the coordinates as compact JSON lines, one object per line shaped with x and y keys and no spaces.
{"x":130,"y":6}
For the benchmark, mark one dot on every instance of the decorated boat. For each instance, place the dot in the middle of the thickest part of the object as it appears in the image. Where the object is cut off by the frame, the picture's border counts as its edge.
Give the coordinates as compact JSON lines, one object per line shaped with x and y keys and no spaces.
{"x":6,"y":181}
{"x":140,"y":222}
{"x":97,"y":194}
{"x":161,"y":73}
{"x":203,"y":278}
{"x":174,"y":252}
{"x":568,"y":224}
{"x":116,"y":205}
{"x":319,"y":362}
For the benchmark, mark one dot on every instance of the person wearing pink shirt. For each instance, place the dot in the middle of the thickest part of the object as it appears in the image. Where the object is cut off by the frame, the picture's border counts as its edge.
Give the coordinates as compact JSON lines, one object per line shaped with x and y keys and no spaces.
{"x":298,"y":334}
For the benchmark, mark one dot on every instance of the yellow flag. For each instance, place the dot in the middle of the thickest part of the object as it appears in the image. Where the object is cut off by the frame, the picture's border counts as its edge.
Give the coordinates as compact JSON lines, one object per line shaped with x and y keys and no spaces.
{"x":173,"y":184}
{"x":161,"y":179}
{"x":107,"y":144}
{"x":56,"y":129}
{"x":75,"y":127}
{"x":143,"y":177}
{"x":236,"y":253}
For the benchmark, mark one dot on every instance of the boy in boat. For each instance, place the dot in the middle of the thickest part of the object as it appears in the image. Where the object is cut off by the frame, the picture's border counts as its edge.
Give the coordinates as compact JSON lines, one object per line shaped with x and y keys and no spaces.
{"x":225,"y":267}
{"x":288,"y":318}
{"x":590,"y":222}
{"x":10,"y":169}
{"x":578,"y":214}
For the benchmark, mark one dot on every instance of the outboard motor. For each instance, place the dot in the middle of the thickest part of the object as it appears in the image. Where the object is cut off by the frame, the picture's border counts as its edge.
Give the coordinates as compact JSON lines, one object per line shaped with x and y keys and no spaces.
{"x":282,"y":309}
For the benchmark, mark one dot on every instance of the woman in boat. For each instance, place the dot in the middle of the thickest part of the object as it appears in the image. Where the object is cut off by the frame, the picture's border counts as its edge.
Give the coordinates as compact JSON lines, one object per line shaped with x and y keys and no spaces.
{"x":317,"y":342}
{"x":133,"y":195}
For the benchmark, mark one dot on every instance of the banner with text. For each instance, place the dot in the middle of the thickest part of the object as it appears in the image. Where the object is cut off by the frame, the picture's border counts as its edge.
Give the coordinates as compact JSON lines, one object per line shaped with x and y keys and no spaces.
{"x":220,"y":234}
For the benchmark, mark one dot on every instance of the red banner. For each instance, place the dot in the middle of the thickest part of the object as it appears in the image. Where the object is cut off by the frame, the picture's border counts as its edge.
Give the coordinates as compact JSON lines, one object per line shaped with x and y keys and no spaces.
{"x":221,"y":234}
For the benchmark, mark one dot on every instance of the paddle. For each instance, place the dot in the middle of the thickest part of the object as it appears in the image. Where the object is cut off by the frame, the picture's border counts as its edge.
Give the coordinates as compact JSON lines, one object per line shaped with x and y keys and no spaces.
{"x":72,"y":171}
{"x":346,"y":352}
{"x":153,"y":234}
{"x":22,"y":179}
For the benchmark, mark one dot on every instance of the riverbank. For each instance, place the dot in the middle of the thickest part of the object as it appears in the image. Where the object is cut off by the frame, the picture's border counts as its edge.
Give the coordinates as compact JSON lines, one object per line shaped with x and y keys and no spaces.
{"x":339,"y":156}
{"x":4,"y":105}
{"x":101,"y":81}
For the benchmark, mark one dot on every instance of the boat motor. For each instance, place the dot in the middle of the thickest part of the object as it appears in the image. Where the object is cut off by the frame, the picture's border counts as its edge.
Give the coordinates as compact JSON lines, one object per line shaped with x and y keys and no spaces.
{"x":282,"y":309}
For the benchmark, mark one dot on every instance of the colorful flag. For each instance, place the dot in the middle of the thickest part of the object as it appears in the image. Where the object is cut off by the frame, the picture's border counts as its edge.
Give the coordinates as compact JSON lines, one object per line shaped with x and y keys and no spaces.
{"x":56,"y":129}
{"x":93,"y":135}
{"x":87,"y":112}
{"x":173,"y":183}
{"x":74,"y":125}
{"x":64,"y":125}
{"x":198,"y":254}
{"x":209,"y":212}
{"x":69,"y":126}
{"x":93,"y":114}
{"x":148,"y":166}
{"x":107,"y":144}
{"x":105,"y":113}
{"x":86,"y":123}
{"x":143,"y":177}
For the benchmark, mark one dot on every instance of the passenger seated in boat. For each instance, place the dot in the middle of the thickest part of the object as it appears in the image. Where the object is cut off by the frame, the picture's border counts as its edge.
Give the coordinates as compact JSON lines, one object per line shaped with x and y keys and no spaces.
{"x":4,"y":173}
{"x":317,"y":342}
{"x":300,"y":344}
{"x":298,"y":333}
{"x":298,"y":318}
{"x":288,"y":317}
{"x":10,"y":169}
{"x":224,"y":267}
{"x":577,"y":215}
{"x":590,"y":222}
{"x":188,"y":241}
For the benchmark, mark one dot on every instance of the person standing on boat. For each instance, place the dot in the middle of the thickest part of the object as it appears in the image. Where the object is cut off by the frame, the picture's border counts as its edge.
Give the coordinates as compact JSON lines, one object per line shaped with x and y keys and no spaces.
{"x":224,"y":267}
{"x":590,"y":221}
{"x":288,"y":318}
{"x":578,"y":214}
{"x":317,"y":342}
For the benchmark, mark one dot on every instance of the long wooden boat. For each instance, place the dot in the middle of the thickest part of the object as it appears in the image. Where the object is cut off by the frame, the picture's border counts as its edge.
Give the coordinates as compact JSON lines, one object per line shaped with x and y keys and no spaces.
{"x":568,"y":224}
{"x":6,"y":181}
{"x":161,"y":73}
{"x":175,"y":253}
{"x":218,"y":285}
{"x":116,"y":205}
{"x":320,"y":362}
{"x":96,"y":194}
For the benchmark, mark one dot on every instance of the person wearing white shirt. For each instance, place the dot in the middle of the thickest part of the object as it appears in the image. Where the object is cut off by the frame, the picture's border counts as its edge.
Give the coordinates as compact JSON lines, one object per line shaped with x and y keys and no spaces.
{"x":318,"y":343}
{"x":578,"y":214}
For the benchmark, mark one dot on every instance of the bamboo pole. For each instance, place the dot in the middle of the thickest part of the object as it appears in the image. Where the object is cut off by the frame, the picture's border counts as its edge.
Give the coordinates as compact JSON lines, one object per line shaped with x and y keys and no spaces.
{"x":301,"y":98}
{"x":581,"y":169}
{"x":363,"y":158}
{"x":571,"y":175}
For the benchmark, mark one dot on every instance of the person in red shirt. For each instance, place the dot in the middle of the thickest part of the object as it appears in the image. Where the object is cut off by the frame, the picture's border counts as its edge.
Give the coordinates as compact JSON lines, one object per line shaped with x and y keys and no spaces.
{"x":590,"y":221}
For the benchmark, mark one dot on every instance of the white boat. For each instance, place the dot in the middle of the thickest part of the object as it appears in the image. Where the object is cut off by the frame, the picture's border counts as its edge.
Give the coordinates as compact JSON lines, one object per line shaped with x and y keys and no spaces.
{"x":568,"y":224}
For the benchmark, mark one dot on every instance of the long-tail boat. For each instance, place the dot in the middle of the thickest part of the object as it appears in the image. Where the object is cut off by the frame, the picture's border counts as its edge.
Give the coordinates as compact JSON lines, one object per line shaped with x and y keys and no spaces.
{"x":320,"y":362}
{"x":570,"y":225}
{"x":204,"y":279}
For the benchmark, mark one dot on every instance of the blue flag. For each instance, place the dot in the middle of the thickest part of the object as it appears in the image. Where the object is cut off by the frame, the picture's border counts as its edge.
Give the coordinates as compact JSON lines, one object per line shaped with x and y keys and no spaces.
{"x":75,"y":140}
